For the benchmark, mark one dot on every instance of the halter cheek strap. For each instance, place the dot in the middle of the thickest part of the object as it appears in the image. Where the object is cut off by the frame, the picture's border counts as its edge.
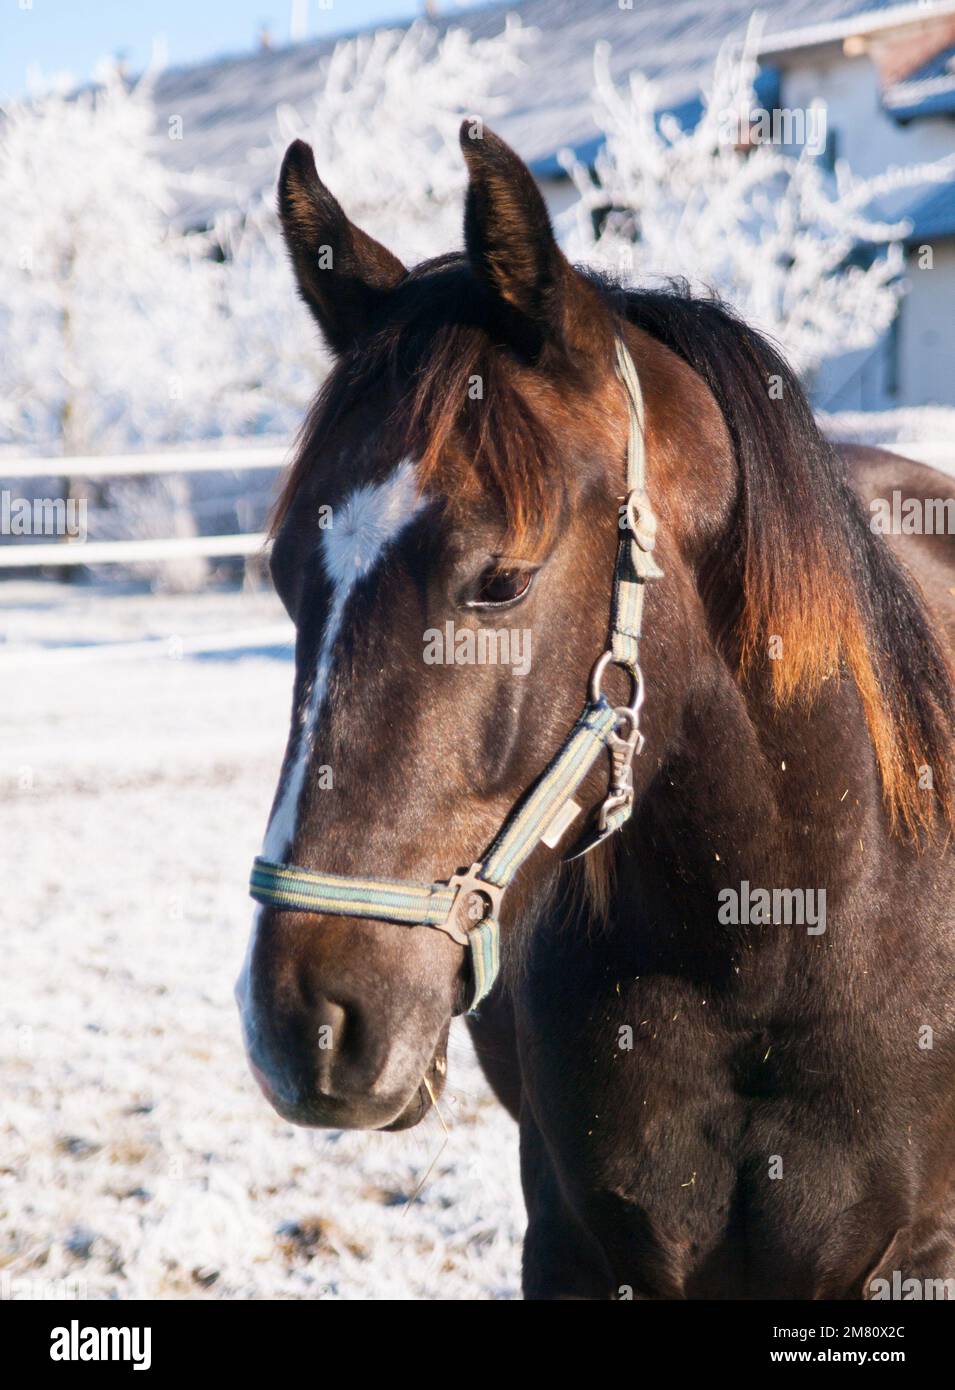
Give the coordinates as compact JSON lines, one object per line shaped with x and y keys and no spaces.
{"x":466,"y":907}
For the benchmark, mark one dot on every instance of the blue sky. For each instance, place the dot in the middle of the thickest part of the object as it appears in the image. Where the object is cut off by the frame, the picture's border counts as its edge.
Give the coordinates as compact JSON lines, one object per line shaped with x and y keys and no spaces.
{"x":72,"y":35}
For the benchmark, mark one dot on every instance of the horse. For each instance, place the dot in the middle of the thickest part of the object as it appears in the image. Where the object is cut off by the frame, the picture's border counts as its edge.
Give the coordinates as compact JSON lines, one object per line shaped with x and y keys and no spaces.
{"x":725,"y":1031}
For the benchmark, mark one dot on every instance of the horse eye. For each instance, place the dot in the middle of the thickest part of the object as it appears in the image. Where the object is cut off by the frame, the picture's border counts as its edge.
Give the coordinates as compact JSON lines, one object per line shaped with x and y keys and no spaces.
{"x":498,"y":588}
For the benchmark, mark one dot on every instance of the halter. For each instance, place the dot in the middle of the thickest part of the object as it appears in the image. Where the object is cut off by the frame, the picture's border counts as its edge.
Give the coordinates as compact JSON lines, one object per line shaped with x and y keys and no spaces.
{"x":467,"y":906}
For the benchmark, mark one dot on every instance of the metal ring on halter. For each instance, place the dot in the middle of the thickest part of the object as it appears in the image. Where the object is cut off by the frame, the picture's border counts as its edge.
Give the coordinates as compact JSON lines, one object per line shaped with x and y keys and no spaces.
{"x":636,"y":681}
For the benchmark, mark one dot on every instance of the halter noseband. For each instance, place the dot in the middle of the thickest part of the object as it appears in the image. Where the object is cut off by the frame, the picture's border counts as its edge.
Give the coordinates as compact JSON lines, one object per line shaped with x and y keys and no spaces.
{"x":466,"y":907}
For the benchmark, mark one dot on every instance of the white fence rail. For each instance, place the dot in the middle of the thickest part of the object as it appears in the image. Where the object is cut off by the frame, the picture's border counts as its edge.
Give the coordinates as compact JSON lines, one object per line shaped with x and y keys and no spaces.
{"x":128,"y":552}
{"x":73,"y":552}
{"x":170,"y":647}
{"x":136,"y":465}
{"x":63,"y":552}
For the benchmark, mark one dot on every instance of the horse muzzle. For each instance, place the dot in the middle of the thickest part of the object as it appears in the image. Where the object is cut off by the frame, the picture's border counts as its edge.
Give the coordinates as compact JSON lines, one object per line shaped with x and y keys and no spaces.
{"x":328,"y":1038}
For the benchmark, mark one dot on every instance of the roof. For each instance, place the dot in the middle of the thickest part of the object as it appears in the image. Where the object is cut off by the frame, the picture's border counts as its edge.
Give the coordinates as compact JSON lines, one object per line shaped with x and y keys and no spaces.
{"x":228,"y":105}
{"x":932,"y":213}
{"x":686,"y":112}
{"x":862,"y":20}
{"x":928,"y":207}
{"x":930,"y":91}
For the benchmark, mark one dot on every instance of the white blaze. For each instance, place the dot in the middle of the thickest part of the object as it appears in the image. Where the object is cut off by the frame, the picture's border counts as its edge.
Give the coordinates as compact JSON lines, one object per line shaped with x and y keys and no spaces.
{"x":362,"y":527}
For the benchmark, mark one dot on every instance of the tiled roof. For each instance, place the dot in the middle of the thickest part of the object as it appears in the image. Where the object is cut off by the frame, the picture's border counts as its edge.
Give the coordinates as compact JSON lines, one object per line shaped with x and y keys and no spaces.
{"x":228,"y":105}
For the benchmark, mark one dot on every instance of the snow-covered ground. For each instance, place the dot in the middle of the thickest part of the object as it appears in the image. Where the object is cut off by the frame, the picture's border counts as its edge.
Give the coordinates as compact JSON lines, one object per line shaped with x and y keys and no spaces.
{"x":137,"y":1158}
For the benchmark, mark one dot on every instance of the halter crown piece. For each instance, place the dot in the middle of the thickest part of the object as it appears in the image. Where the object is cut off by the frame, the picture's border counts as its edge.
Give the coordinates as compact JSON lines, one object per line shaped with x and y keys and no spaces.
{"x":466,"y":906}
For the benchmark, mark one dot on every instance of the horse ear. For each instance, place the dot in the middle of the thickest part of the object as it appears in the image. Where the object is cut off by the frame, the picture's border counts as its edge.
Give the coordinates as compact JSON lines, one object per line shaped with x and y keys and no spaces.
{"x":507,"y":231}
{"x":343,"y":274}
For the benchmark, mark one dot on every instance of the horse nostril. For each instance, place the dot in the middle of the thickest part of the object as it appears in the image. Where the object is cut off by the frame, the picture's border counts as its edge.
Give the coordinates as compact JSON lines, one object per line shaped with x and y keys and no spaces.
{"x":330,"y":1020}
{"x":335,"y":1029}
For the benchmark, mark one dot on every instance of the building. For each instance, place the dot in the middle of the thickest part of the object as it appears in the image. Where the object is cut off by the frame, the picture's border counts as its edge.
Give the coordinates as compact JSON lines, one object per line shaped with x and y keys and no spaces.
{"x":888,"y":81}
{"x":886,"y":72}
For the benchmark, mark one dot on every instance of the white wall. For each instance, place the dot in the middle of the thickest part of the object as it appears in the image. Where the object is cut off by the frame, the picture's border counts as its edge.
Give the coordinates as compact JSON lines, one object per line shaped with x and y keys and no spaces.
{"x":915,"y":365}
{"x":866,"y":135}
{"x":926,"y":359}
{"x":871,"y":141}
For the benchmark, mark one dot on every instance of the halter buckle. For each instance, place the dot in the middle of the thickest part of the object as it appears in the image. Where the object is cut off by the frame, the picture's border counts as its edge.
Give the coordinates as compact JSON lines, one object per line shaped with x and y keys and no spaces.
{"x":475,"y":902}
{"x":641,"y":519}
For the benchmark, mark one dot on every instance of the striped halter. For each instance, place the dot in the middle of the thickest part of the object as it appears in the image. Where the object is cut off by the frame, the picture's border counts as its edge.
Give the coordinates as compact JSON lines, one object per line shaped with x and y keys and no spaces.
{"x":466,"y":906}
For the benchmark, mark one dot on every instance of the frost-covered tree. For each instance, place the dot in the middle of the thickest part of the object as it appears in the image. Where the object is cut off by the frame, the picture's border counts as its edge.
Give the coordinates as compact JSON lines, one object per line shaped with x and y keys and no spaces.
{"x":111,"y":325}
{"x":773,"y":231}
{"x":109,"y":319}
{"x":384,"y":125}
{"x":275,"y":355}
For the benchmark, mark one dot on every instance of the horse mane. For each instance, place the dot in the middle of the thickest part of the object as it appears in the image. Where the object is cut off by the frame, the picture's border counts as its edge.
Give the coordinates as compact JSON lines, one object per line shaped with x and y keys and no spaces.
{"x":803,"y":563}
{"x":432,"y":354}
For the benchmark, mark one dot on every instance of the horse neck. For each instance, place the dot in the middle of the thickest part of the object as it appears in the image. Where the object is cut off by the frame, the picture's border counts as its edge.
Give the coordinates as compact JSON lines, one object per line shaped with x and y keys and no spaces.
{"x":749,"y":793}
